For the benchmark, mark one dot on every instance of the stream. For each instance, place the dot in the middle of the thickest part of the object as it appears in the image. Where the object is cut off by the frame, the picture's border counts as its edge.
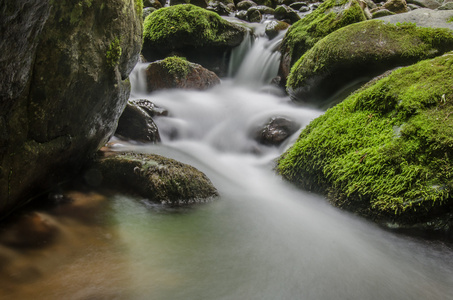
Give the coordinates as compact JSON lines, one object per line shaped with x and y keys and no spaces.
{"x":261,"y":239}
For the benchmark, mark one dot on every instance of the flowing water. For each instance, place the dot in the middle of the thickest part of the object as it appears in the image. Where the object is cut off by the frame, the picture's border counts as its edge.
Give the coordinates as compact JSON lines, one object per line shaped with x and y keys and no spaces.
{"x":261,"y":239}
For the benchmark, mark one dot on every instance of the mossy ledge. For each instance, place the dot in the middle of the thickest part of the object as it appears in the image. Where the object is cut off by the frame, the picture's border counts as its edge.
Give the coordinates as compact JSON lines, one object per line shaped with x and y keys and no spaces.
{"x":386,"y":151}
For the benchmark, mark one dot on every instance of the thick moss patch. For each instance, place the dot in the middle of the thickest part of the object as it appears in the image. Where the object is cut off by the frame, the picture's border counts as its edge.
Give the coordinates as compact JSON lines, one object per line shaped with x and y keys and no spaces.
{"x":363,"y":50}
{"x":188,"y":25}
{"x":386,"y":151}
{"x":328,"y":17}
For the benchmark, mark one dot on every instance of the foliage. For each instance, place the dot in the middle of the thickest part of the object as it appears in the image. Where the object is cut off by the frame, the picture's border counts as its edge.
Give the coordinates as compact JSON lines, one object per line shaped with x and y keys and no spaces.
{"x":387,"y":149}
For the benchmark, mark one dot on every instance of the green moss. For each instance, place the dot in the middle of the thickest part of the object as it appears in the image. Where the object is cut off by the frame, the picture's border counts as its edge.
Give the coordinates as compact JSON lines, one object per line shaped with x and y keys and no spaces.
{"x":139,"y":7}
{"x":328,"y":17}
{"x":114,"y":52}
{"x":177,"y":66}
{"x":187,"y":24}
{"x":387,"y":149}
{"x":450,"y":20}
{"x":371,"y":41}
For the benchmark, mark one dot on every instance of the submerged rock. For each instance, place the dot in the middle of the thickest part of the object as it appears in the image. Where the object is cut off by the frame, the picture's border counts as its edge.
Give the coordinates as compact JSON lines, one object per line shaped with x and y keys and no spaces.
{"x":154,"y":177}
{"x":63,"y":88}
{"x":359,"y":52}
{"x":386,"y":151}
{"x":175,"y":72}
{"x":276,"y":131}
{"x":189,"y":31}
{"x":328,"y":17}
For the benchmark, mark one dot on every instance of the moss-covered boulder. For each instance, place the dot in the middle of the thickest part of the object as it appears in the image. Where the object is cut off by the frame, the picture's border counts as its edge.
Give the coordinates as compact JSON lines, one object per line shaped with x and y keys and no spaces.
{"x":386,"y":152}
{"x":199,"y":35}
{"x":65,"y":67}
{"x":359,"y":52}
{"x":154,"y":177}
{"x":177,"y":73}
{"x":328,"y":17}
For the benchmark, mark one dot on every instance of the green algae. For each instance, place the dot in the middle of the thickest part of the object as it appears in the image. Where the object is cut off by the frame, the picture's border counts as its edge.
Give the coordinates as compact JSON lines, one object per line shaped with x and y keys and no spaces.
{"x":387,"y":149}
{"x":328,"y":17}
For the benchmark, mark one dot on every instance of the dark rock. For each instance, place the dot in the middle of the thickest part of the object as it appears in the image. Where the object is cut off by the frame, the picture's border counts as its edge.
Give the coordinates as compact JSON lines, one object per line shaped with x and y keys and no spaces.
{"x":254,"y":15}
{"x":241,"y":15}
{"x":63,"y":88}
{"x":152,"y":109}
{"x":175,"y":72}
{"x":147,"y":11}
{"x":154,"y":177}
{"x":287,"y":14}
{"x":220,"y":8}
{"x":273,"y":28}
{"x":136,"y":124}
{"x":298,"y":5}
{"x":152,"y":3}
{"x":246,"y":4}
{"x":381,"y":12}
{"x":276,"y":131}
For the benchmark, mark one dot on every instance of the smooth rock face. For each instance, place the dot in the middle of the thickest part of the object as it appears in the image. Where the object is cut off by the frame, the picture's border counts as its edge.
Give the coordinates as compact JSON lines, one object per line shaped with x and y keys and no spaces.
{"x":154,"y":177}
{"x":136,"y":124}
{"x":65,"y":66}
{"x":174,"y":72}
{"x":276,"y":131}
{"x":423,"y":17}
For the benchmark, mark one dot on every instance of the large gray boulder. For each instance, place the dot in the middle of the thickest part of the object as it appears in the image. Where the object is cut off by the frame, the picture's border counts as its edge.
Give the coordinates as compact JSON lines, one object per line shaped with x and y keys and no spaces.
{"x":423,"y":17}
{"x":65,"y":68}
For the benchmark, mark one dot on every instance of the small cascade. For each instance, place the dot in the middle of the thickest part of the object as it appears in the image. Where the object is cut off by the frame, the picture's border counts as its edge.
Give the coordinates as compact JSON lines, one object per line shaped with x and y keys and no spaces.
{"x":138,"y":79}
{"x":260,"y":65}
{"x":239,"y":53}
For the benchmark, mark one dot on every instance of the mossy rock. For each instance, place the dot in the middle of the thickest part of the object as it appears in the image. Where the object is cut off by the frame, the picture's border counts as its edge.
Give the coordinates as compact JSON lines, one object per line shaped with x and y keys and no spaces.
{"x":159,"y":179}
{"x":199,"y":35}
{"x":178,"y":73}
{"x":362,"y":51}
{"x":328,"y":17}
{"x":65,"y":84}
{"x":386,"y":152}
